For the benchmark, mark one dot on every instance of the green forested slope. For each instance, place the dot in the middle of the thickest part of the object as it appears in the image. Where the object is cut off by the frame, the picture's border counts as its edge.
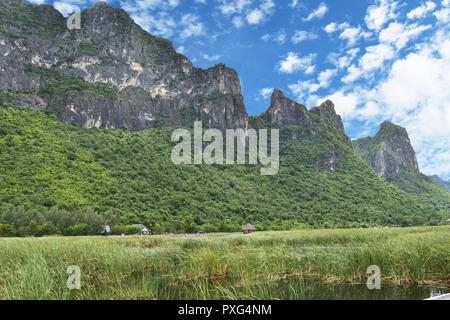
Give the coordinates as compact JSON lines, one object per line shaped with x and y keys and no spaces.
{"x":45,"y":163}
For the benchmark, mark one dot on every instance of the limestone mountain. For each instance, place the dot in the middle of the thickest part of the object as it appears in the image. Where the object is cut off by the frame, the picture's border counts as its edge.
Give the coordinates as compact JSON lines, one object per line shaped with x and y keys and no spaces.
{"x":441,"y":183}
{"x":124,"y":89}
{"x":393,"y":158}
{"x":110,"y":73}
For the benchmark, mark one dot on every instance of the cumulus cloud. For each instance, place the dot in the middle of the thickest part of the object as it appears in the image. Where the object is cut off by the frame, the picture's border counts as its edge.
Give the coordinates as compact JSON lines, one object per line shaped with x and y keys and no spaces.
{"x":333,"y":27}
{"x":160,"y":25}
{"x":293,"y":63}
{"x":211,"y":58}
{"x":238,"y":22}
{"x":258,"y":15}
{"x":301,"y":89}
{"x":345,"y":103}
{"x":279,"y":37}
{"x":325,"y":77}
{"x":317,"y":13}
{"x":234,"y":6}
{"x":380,"y":13}
{"x":375,"y":56}
{"x":191,"y":26}
{"x":138,"y":5}
{"x":266,"y":93}
{"x":399,"y":34}
{"x":341,"y":62}
{"x":301,"y":35}
{"x":353,"y":34}
{"x":421,"y":11}
{"x":443,"y":15}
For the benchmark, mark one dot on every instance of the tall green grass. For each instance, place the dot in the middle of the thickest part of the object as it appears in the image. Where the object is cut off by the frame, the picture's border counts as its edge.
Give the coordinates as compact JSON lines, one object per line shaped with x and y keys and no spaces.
{"x":266,"y":265}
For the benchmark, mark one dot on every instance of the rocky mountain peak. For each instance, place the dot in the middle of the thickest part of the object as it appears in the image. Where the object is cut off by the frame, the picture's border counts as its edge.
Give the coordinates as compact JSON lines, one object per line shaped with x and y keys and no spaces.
{"x":326,"y":110}
{"x":389,"y":153}
{"x":284,"y":111}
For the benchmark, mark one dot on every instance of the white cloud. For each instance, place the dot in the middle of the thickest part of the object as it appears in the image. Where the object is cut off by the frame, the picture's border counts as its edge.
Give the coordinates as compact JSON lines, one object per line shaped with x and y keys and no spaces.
{"x":354,"y":73}
{"x":310,"y":69}
{"x":445,"y":3}
{"x":421,"y":11}
{"x":266,"y":37}
{"x":139,"y":5}
{"x":325,"y":77}
{"x":255,"y":16}
{"x":375,"y":56}
{"x":303,"y":88}
{"x":162,"y":26}
{"x":65,"y":8}
{"x":293,"y":3}
{"x":37,"y":1}
{"x":399,"y":34}
{"x":238,"y":22}
{"x":351,"y":35}
{"x":380,"y":13}
{"x":181,"y":49}
{"x":293,"y":63}
{"x":234,"y":6}
{"x":279,"y":37}
{"x":301,"y":35}
{"x":344,"y":103}
{"x":443,"y":15}
{"x":344,"y":61}
{"x":211,"y":58}
{"x":317,"y":13}
{"x":333,"y":27}
{"x":266,"y":93}
{"x":191,"y":26}
{"x":258,"y":15}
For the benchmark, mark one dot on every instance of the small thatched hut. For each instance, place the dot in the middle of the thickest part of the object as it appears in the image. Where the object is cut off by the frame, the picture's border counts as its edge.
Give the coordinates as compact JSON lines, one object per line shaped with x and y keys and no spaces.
{"x":248,"y":228}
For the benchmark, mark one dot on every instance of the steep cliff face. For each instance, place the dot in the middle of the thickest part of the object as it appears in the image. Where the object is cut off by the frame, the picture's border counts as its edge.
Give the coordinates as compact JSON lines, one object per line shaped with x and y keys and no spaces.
{"x":320,"y":125}
{"x":110,"y":73}
{"x":283,"y":111}
{"x":389,"y":153}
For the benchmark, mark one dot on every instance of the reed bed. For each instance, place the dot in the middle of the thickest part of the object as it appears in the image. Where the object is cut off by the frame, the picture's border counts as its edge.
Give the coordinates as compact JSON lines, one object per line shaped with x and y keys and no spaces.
{"x":263,"y":265}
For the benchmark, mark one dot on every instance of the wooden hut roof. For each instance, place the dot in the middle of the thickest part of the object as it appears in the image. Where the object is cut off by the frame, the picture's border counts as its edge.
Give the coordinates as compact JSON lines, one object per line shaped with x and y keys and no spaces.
{"x":248,"y":226}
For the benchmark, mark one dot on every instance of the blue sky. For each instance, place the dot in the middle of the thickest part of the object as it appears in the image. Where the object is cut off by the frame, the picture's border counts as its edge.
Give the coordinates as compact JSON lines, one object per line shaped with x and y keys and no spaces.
{"x":375,"y":59}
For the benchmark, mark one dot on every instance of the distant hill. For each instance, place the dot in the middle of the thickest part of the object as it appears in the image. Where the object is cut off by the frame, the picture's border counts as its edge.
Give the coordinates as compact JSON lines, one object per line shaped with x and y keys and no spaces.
{"x":441,"y":183}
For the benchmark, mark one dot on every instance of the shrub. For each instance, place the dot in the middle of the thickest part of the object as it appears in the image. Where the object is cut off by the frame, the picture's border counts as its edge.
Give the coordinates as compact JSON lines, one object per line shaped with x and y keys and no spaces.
{"x":118,"y":229}
{"x":46,"y":229}
{"x":132,"y":230}
{"x":78,"y":230}
{"x":7,"y":230}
